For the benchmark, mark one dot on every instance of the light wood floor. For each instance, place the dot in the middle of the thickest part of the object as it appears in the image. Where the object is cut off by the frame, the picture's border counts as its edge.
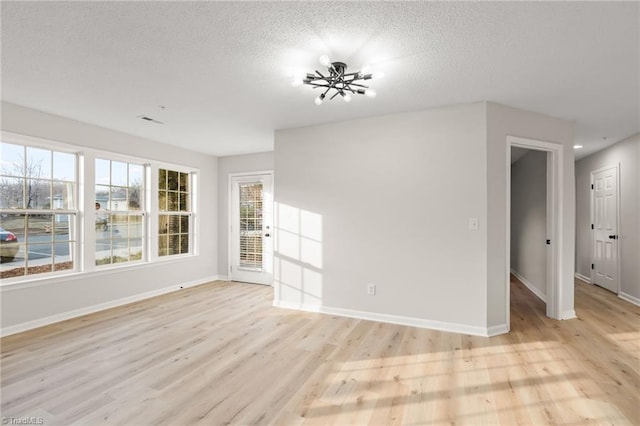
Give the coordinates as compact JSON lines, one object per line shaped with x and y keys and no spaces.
{"x":220,"y":354}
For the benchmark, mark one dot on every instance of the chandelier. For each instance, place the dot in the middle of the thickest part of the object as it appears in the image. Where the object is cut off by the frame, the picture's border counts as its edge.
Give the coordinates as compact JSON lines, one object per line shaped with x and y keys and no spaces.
{"x":338,"y":79}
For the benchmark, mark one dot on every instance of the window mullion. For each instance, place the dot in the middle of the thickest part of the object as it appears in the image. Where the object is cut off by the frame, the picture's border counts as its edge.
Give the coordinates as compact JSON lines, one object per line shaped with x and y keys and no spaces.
{"x":116,"y":237}
{"x":43,"y":239}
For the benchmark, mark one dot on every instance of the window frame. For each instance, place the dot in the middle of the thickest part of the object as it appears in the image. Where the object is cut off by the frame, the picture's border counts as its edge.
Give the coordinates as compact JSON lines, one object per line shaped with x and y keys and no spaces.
{"x":76,"y":224}
{"x":143,"y":213}
{"x":192,"y":213}
{"x":85,"y":192}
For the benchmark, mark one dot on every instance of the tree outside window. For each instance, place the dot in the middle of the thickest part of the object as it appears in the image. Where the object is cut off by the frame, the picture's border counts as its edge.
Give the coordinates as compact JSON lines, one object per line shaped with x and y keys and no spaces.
{"x":38,"y":210}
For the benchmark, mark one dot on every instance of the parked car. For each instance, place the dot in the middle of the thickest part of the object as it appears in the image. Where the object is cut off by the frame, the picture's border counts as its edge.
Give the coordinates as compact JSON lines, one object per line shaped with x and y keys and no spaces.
{"x":8,"y":245}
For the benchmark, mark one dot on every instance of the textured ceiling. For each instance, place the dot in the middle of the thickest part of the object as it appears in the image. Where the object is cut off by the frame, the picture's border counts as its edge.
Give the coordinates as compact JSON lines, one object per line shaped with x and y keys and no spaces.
{"x":222,"y":68}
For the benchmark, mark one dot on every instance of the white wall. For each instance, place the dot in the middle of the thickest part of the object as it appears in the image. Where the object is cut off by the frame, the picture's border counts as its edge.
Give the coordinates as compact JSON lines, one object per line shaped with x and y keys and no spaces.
{"x":529,"y":220}
{"x":233,"y":164}
{"x":45,"y":300}
{"x":503,"y":121}
{"x":627,"y":154}
{"x":385,"y":200}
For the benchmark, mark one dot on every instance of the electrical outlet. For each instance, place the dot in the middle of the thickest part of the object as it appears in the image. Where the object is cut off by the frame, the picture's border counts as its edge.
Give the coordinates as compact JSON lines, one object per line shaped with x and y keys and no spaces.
{"x":473,"y":224}
{"x":371,"y":289}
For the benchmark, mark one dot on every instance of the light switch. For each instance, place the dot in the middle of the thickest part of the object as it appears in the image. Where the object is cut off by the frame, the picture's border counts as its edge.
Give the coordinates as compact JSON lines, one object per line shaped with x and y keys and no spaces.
{"x":473,"y":223}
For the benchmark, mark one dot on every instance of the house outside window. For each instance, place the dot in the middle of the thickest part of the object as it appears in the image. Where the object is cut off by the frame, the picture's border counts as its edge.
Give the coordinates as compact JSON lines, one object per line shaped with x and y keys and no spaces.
{"x":38,"y":210}
{"x":70,"y":210}
{"x":120,"y":212}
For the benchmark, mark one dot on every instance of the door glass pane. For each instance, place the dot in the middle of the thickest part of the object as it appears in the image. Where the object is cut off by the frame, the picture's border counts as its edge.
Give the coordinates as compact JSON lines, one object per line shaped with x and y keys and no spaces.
{"x":251,"y":225}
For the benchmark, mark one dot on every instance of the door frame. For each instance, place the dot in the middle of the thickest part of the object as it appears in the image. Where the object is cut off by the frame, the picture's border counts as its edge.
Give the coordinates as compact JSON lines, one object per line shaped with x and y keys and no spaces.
{"x":555,"y":285}
{"x":230,"y":178}
{"x":591,"y":217}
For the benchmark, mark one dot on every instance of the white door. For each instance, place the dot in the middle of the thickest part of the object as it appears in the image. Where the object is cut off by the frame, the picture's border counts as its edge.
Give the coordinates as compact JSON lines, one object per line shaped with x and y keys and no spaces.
{"x":251,"y":228}
{"x":605,"y":228}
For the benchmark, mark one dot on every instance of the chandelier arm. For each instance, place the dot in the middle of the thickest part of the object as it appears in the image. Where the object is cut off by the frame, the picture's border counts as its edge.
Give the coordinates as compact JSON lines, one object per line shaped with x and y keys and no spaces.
{"x":359,"y":85}
{"x":315,"y":85}
{"x":334,"y":95}
{"x":348,"y":87}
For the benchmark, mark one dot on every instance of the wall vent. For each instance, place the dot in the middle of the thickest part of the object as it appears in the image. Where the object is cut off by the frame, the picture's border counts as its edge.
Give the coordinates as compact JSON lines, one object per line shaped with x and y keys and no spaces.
{"x":147,"y":118}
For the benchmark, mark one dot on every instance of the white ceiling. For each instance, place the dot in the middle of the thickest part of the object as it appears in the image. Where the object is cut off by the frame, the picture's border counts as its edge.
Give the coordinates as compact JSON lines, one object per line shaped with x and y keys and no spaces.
{"x":222,"y":68}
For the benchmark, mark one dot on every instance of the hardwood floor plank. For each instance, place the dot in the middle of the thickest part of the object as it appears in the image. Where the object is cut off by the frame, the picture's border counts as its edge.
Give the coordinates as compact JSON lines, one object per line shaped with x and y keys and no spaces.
{"x":219,"y":353}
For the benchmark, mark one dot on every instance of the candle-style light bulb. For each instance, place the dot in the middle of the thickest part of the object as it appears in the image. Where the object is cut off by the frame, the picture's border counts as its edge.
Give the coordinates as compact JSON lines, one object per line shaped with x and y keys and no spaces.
{"x":324,"y":60}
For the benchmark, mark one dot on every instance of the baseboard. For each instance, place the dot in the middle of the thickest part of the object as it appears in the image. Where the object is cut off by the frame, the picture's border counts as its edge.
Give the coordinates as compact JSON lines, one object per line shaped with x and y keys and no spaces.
{"x":567,"y":315}
{"x":530,"y":286}
{"x":395,"y":319}
{"x":629,"y":298}
{"x":40,"y":322}
{"x":224,"y":278}
{"x":583,"y":278}
{"x":496,"y":330}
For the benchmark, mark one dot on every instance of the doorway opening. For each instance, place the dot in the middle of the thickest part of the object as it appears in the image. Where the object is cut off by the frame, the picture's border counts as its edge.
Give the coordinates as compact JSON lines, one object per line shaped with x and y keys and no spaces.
{"x":552,"y":287}
{"x":530,"y":219}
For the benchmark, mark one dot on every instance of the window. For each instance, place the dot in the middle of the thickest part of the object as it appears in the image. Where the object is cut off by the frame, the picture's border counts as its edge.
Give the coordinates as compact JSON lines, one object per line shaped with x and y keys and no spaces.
{"x":175,"y":213}
{"x":120,"y":212}
{"x":38,"y":210}
{"x":66,"y":209}
{"x":251,"y":198}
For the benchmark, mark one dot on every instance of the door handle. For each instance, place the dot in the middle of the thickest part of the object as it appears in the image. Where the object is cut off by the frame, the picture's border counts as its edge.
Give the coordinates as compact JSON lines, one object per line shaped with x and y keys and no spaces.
{"x":613,"y":237}
{"x":267,"y":235}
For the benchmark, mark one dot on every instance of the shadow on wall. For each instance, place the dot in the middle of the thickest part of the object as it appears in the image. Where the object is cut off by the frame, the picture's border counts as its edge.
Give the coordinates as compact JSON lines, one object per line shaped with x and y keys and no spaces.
{"x":298,"y":257}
